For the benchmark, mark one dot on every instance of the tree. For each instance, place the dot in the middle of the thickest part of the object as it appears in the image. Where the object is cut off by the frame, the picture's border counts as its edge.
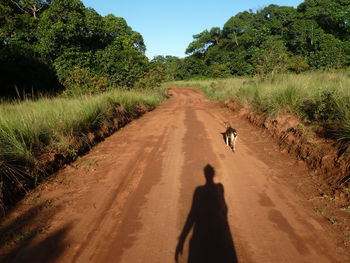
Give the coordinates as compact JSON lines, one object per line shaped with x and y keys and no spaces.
{"x":121,"y":62}
{"x":219,"y":71}
{"x":71,"y":58}
{"x":304,"y":36}
{"x":193,"y":66}
{"x":60,"y":36}
{"x":273,"y":56}
{"x":94,"y":30}
{"x":237,"y":25}
{"x":199,"y":45}
{"x":61,"y":26}
{"x":332,"y":15}
{"x":279,"y":18}
{"x":171,"y":66}
{"x":243,"y":62}
{"x":329,"y":54}
{"x":117,"y":26}
{"x":277,"y":38}
{"x":203,"y":41}
{"x":32,"y":7}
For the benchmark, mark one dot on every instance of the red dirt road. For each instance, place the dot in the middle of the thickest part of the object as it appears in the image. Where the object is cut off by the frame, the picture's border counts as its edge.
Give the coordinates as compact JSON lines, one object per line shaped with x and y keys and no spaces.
{"x":129,"y":198}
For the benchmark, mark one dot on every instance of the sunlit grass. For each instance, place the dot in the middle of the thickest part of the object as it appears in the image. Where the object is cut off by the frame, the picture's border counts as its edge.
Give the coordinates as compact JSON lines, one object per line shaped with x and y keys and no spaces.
{"x":322,"y":97}
{"x":29,"y":129}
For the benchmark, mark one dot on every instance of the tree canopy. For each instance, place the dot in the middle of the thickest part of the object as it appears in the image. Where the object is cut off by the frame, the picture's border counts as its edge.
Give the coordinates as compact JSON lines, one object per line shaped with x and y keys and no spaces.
{"x":315,"y":35}
{"x":53,"y":38}
{"x":46,"y":45}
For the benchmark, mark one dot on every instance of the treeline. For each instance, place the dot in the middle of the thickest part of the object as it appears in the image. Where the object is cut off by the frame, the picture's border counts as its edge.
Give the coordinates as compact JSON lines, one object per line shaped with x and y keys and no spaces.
{"x":315,"y":35}
{"x":53,"y":45}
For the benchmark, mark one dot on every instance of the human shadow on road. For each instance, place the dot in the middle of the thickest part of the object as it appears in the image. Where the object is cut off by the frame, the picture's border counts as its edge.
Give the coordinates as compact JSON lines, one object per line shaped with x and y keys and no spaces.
{"x":211,"y":240}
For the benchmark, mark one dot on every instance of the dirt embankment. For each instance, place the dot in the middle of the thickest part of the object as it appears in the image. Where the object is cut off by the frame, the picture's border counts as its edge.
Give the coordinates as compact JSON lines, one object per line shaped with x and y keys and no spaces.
{"x":81,"y":145}
{"x":50,"y":162}
{"x":324,"y":156}
{"x":328,"y":161}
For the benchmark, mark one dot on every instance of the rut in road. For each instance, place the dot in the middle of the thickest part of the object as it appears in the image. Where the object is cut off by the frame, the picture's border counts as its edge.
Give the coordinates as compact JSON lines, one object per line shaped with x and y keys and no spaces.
{"x":148,"y":187}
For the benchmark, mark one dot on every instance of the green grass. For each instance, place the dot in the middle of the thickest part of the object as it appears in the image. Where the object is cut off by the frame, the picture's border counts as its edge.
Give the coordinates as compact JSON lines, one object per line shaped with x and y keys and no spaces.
{"x":320,"y":98}
{"x":30,"y":129}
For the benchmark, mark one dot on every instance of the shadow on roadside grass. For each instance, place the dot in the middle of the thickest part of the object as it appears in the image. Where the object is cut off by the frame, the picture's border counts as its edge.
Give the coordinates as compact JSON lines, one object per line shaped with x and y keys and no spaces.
{"x":47,"y":250}
{"x":16,"y":235}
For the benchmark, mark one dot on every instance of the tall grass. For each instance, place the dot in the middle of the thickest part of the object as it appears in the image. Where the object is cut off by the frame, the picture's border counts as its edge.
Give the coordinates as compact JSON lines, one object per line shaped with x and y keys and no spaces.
{"x":29,"y":129}
{"x":321,"y":97}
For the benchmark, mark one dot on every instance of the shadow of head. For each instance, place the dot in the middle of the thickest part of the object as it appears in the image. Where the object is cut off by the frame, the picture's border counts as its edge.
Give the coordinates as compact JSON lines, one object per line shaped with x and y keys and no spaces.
{"x":209,"y":173}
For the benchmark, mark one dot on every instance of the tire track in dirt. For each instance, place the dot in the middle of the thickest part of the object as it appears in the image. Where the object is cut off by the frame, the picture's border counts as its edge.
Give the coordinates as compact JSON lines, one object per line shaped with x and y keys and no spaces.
{"x":118,"y":200}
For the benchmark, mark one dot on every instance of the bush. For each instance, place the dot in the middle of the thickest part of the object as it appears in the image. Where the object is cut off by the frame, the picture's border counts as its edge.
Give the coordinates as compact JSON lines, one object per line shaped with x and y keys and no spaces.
{"x":297,"y":64}
{"x":219,"y":71}
{"x":83,"y":81}
{"x":152,"y":79}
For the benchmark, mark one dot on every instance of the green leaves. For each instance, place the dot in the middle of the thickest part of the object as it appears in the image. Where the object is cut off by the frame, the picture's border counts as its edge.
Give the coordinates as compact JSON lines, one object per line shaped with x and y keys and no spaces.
{"x":204,"y":40}
{"x":316,"y":35}
{"x":63,"y":34}
{"x":121,"y":62}
{"x":60,"y":26}
{"x":332,"y":15}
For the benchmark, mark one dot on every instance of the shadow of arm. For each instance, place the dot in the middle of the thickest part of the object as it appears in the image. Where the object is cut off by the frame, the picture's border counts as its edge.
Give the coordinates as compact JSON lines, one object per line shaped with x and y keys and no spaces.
{"x":187,"y":228}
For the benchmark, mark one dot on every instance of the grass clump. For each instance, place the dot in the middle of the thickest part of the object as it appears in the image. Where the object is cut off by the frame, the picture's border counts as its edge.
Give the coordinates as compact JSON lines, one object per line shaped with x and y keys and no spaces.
{"x":31,"y":129}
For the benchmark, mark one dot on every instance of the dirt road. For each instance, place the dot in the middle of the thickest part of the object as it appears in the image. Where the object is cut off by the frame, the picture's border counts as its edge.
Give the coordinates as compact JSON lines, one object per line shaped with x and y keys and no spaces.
{"x":129,"y":198}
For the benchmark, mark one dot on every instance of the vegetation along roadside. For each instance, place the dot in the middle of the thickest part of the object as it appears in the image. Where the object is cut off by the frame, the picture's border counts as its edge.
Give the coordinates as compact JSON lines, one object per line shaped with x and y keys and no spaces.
{"x":319,"y":103}
{"x":68,"y":77}
{"x":38,"y":137}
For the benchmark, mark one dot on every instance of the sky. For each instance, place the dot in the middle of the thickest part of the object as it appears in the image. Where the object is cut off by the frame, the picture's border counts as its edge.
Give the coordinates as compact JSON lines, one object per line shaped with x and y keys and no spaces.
{"x":167,"y":27}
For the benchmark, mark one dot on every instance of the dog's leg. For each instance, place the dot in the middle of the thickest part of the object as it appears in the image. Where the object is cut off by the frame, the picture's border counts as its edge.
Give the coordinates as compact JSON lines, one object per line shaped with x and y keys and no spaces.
{"x":232,"y":137}
{"x":226,"y":140}
{"x":234,"y":143}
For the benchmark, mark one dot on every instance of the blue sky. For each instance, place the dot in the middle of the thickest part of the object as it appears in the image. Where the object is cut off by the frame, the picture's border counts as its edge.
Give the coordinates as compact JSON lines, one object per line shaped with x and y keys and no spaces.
{"x":167,"y":26}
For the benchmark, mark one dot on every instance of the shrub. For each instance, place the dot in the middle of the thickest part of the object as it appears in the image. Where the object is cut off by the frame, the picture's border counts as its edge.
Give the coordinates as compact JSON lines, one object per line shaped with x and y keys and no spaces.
{"x":297,"y":64}
{"x":83,"y":81}
{"x":219,"y":71}
{"x":152,"y":79}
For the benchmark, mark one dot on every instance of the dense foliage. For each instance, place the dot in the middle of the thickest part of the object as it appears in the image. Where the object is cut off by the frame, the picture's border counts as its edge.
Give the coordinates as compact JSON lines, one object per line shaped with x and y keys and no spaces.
{"x":48,"y":45}
{"x":52,"y":45}
{"x":315,"y":35}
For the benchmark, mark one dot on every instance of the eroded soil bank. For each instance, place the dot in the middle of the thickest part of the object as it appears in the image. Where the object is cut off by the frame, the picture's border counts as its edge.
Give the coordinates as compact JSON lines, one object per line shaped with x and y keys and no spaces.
{"x":16,"y":181}
{"x":328,"y":162}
